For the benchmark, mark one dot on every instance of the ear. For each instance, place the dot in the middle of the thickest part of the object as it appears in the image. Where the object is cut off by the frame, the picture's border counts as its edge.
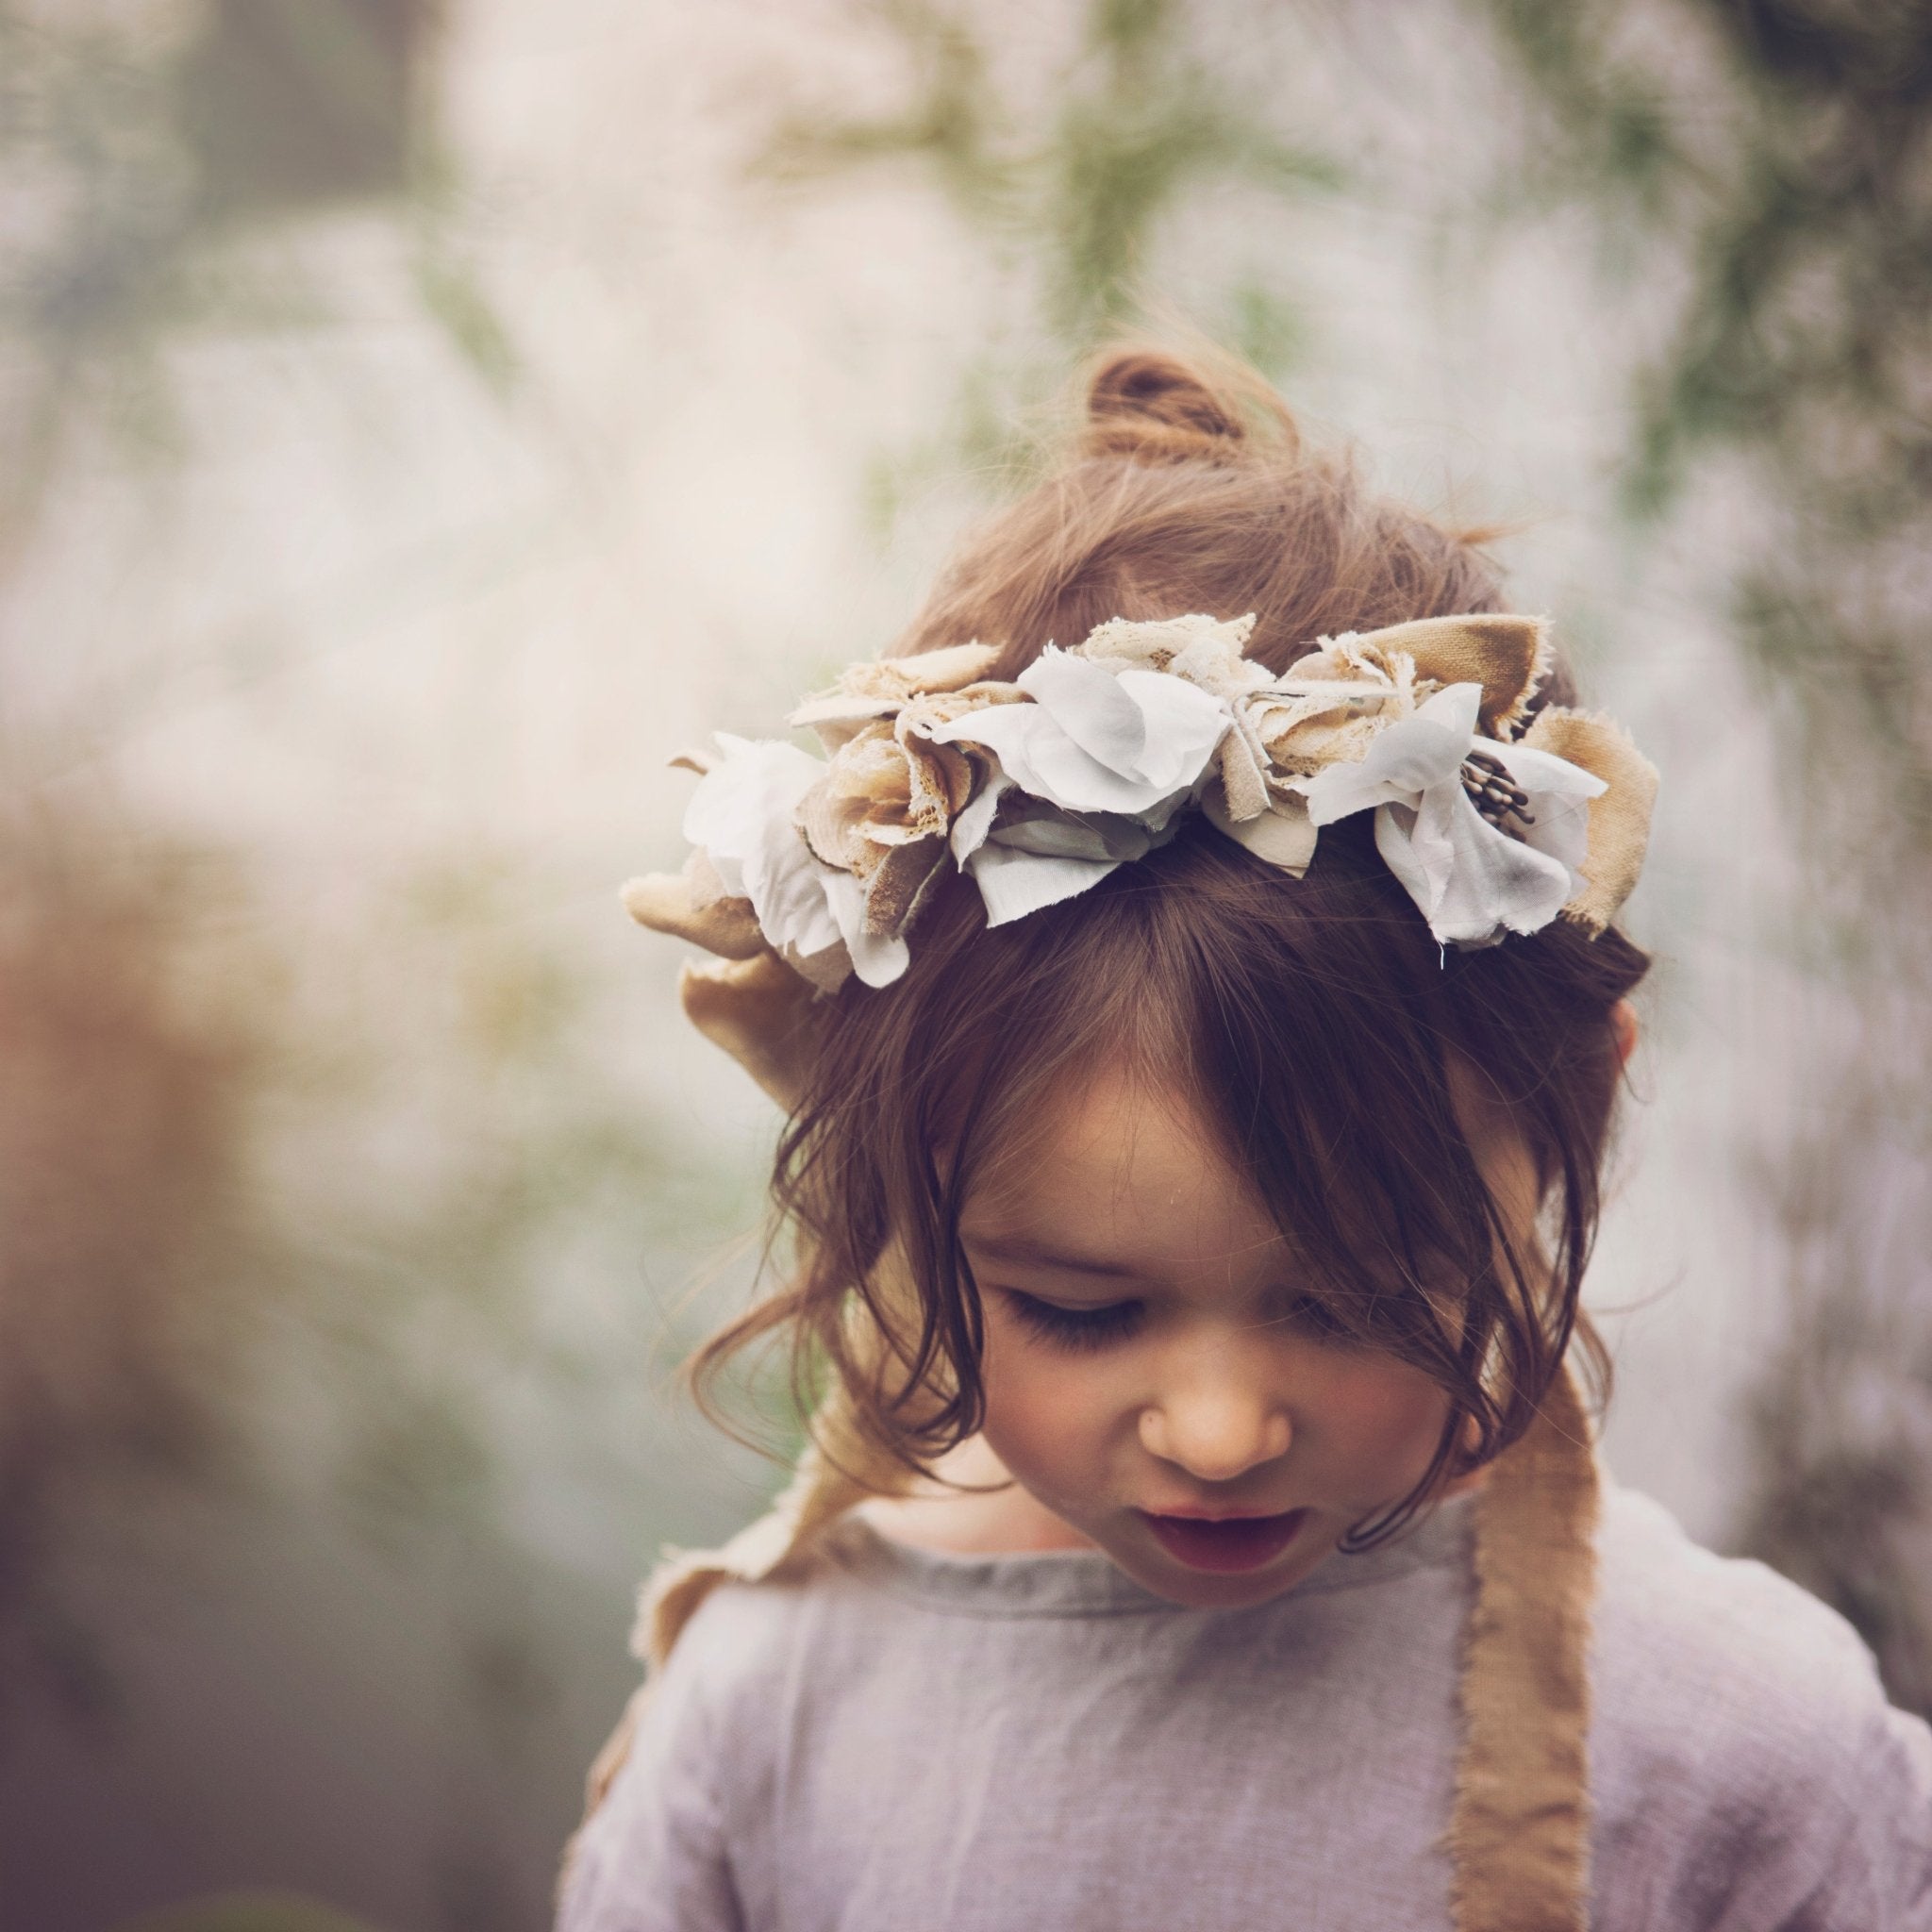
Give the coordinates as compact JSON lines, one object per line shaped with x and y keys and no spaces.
{"x":1623,"y":1025}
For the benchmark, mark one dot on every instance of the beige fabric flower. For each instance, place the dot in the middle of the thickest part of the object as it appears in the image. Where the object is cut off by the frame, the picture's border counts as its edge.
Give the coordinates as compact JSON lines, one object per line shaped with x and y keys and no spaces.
{"x":881,"y":688}
{"x":1619,"y":816}
{"x":1328,"y":709}
{"x":884,"y":809}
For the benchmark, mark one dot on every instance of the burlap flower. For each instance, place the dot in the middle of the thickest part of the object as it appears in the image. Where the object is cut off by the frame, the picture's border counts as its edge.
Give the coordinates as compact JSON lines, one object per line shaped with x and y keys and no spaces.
{"x":882,"y":811}
{"x":883,"y":687}
{"x":1328,"y":709}
{"x":743,"y":818}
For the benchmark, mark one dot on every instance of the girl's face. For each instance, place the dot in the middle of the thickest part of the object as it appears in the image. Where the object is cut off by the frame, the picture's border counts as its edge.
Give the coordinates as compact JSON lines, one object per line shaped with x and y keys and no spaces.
{"x":1156,"y":1373}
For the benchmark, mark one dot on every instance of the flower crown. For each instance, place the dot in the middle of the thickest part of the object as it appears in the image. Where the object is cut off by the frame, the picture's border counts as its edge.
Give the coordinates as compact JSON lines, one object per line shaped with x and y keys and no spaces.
{"x":1040,"y":787}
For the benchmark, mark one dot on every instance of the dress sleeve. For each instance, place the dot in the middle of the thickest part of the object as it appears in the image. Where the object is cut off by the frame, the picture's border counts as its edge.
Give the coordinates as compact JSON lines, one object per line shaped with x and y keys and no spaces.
{"x":1881,"y":1874}
{"x":1751,"y":1775}
{"x":655,"y":1856}
{"x":1837,"y":1836}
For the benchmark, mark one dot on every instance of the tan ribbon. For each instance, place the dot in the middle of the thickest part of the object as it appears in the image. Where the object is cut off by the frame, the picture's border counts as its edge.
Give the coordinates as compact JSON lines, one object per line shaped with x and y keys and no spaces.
{"x":1520,"y":1835}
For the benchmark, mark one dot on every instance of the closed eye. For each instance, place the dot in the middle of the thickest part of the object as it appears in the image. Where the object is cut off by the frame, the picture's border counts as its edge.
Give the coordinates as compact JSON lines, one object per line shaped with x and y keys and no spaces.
{"x":1075,"y":1328}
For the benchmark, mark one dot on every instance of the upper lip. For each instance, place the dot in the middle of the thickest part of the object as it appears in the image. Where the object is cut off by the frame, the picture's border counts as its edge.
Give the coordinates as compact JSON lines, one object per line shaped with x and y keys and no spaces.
{"x":1219,"y":1515}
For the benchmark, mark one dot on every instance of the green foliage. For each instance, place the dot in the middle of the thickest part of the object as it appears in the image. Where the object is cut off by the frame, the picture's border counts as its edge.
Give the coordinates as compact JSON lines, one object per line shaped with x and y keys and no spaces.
{"x":125,"y":1116}
{"x":450,"y":292}
{"x":951,"y":122}
{"x":1069,"y":188}
{"x":263,"y":1911}
{"x":1265,"y":328}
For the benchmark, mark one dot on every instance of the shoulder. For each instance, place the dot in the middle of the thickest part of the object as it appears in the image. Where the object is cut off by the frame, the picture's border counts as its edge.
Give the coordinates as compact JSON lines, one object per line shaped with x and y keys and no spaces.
{"x":754,"y":1644}
{"x":655,"y":1850}
{"x":732,"y":1653}
{"x":1728,"y":1638}
{"x":1737,"y":1712}
{"x":1686,"y":1605}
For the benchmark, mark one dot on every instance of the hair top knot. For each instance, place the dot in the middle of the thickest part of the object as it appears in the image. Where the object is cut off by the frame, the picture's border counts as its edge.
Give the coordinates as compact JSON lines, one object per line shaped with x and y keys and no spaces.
{"x":1149,"y":405}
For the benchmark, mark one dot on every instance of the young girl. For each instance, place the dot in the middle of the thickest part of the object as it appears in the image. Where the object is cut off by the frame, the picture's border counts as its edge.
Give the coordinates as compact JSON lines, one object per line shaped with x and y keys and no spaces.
{"x":1192,"y":985}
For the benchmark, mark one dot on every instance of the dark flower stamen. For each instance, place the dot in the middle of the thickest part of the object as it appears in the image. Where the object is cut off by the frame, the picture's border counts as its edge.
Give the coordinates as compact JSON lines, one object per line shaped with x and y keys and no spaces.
{"x":1491,"y":791}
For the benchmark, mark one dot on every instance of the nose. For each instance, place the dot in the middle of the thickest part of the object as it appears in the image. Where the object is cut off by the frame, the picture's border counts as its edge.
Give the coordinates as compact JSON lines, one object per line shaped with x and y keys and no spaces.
{"x":1215,"y":1419}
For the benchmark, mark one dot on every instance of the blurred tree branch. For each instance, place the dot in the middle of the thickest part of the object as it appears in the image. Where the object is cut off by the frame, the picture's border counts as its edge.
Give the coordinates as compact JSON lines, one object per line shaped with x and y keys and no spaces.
{"x":122,"y":1118}
{"x":167,"y":1251}
{"x":1780,"y":151}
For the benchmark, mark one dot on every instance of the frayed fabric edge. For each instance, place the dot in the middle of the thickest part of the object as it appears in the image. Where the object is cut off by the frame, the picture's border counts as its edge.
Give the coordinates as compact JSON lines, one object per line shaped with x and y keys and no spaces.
{"x":1519,"y":1836}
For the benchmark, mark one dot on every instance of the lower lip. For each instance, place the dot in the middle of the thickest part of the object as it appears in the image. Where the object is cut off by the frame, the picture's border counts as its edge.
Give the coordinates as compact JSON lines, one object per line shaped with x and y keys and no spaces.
{"x":1227,"y":1545}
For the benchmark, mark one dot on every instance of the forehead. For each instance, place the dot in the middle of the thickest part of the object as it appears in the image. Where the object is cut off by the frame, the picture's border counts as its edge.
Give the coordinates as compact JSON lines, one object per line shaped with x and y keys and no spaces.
{"x":1118,"y":1165}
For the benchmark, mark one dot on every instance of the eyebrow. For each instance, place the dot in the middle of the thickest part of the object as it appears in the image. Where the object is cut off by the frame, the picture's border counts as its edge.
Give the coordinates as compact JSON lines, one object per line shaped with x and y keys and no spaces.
{"x":1019,"y":1250}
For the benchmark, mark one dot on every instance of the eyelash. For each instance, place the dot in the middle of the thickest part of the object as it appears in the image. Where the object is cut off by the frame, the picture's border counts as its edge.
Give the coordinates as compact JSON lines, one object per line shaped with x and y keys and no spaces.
{"x":1075,"y":1328}
{"x":1097,"y":1329}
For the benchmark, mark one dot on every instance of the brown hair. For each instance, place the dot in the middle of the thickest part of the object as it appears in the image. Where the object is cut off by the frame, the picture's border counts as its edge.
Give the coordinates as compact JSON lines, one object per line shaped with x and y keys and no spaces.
{"x":1318,"y":1029}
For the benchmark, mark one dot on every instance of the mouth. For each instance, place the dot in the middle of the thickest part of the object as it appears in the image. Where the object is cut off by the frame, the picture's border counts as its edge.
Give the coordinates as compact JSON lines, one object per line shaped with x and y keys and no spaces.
{"x":1225,"y":1545}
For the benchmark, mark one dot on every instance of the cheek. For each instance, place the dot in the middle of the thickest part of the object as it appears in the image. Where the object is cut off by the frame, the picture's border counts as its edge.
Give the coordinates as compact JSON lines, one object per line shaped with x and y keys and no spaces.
{"x":1383,"y":1417}
{"x":1048,"y":1414}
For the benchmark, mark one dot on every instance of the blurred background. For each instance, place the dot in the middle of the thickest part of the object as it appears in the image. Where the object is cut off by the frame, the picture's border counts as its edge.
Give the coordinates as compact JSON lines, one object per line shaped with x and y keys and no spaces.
{"x":421,"y":417}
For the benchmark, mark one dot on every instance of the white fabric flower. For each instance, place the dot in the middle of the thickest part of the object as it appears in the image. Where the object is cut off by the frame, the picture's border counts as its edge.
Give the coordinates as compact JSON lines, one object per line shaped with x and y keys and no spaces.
{"x":1095,"y":740}
{"x":743,"y":816}
{"x":1472,"y":880}
{"x":1113,"y":752}
{"x":1038,"y":855}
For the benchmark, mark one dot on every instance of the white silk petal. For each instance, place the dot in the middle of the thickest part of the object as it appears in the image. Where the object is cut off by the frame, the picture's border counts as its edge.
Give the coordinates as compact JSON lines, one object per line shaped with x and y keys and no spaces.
{"x":1542,"y":770}
{"x":1091,"y":706}
{"x":971,"y":827}
{"x":1094,"y":740}
{"x":1393,"y":825}
{"x":1038,"y":756}
{"x":740,"y":816}
{"x":1497,"y":883}
{"x":1470,"y":881}
{"x":1559,"y":794}
{"x":1403,"y":760}
{"x":877,"y":960}
{"x":1183,"y":727}
{"x":1562,"y":832}
{"x":1013,"y":883}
